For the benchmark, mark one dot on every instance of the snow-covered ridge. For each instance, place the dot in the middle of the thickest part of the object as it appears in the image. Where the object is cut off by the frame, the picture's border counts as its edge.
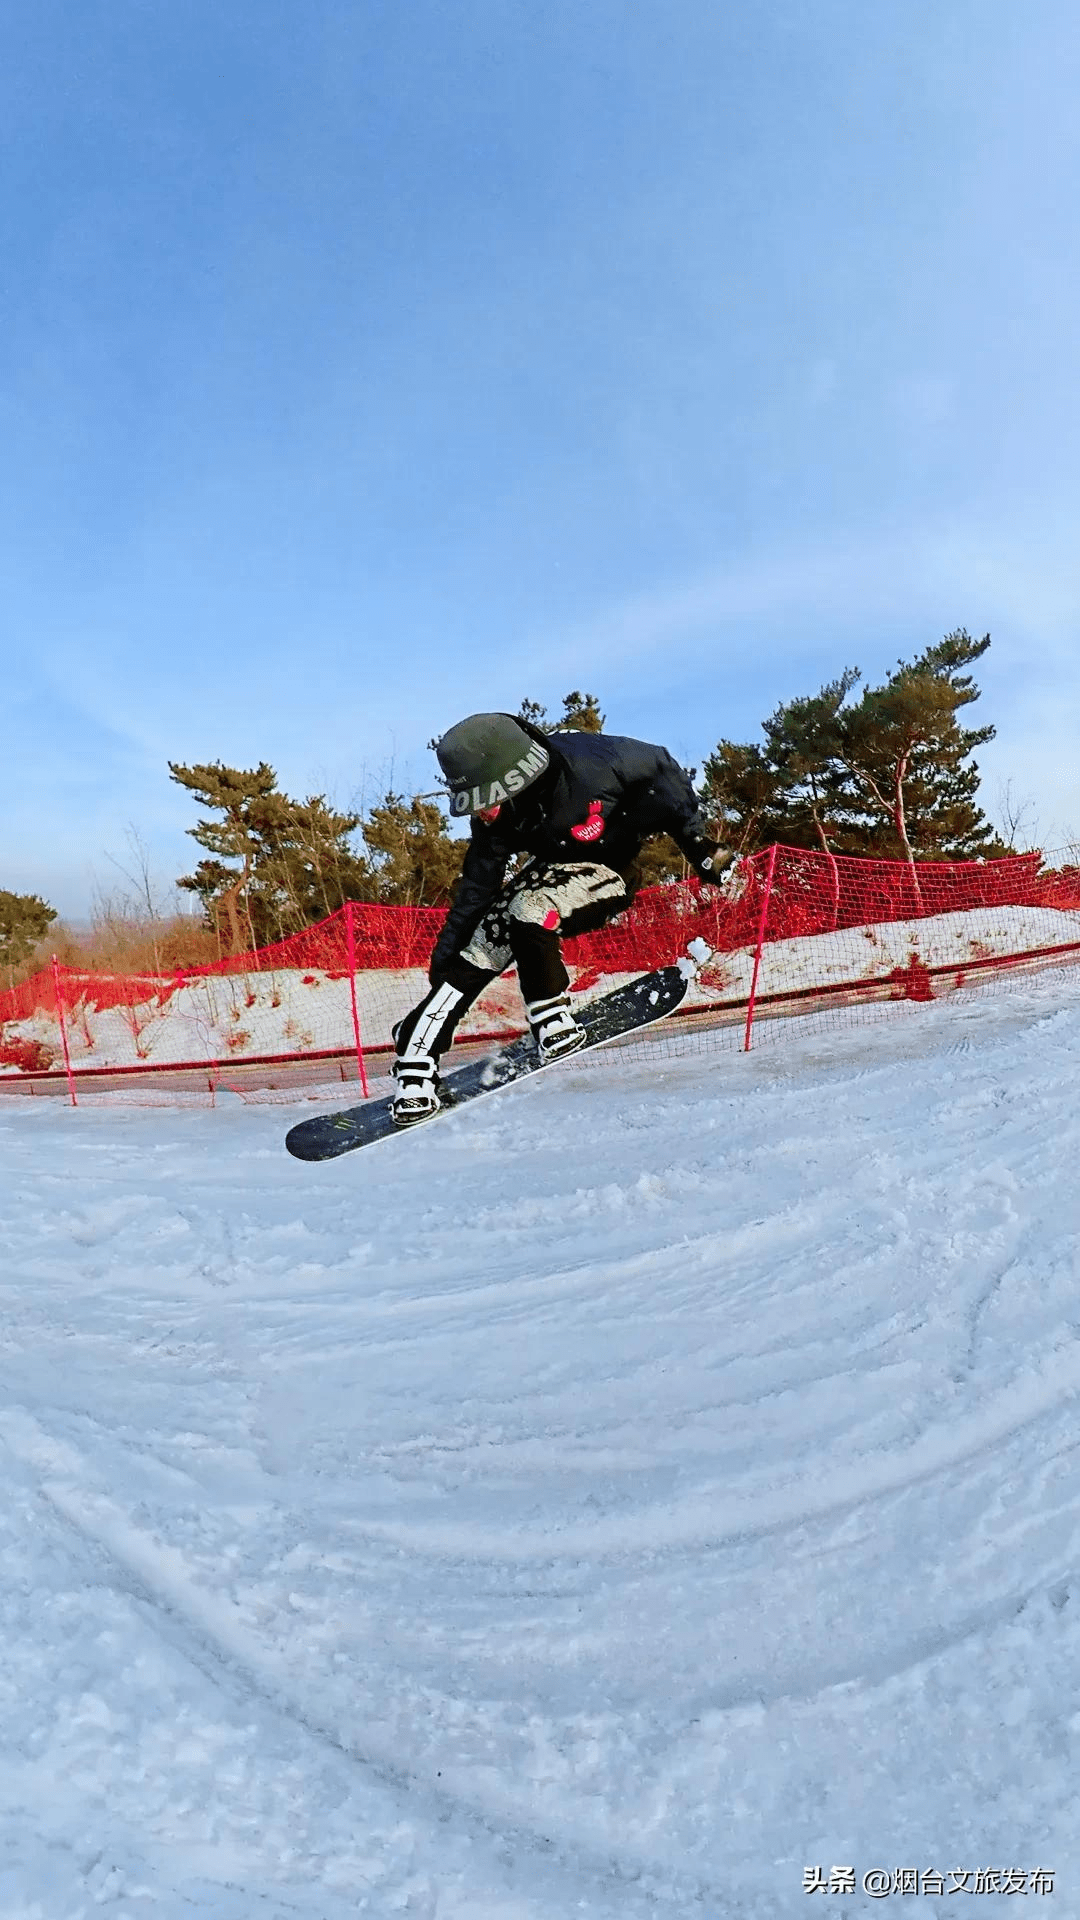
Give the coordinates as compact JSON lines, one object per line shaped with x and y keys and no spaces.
{"x":862,"y":954}
{"x":246,"y":1016}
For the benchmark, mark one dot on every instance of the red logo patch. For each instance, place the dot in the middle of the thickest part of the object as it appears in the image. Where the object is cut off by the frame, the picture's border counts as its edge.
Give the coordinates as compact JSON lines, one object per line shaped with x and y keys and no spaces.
{"x":593,"y":827}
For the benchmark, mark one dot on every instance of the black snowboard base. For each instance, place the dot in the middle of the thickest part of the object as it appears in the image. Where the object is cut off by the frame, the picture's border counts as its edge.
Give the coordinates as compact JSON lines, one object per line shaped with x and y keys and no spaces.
{"x":639,"y":1004}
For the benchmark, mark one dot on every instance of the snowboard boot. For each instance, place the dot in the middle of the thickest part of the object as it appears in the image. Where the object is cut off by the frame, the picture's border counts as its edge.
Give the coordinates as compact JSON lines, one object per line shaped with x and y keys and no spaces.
{"x":554,"y":1028}
{"x":417,"y":1094}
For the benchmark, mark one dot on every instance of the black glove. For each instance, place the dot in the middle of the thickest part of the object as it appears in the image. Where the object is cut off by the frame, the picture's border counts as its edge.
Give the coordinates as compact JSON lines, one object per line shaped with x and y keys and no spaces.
{"x":709,"y":859}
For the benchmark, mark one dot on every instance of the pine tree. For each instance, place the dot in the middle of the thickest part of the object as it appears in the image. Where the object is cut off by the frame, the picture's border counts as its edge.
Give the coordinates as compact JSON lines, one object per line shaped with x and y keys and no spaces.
{"x":276,"y":865}
{"x":888,"y":775}
{"x":909,"y":759}
{"x":581,"y":714}
{"x":308,"y":870}
{"x":413,"y":859}
{"x":25,"y":918}
{"x":811,"y":781}
{"x":220,"y":883}
{"x":745,"y":794}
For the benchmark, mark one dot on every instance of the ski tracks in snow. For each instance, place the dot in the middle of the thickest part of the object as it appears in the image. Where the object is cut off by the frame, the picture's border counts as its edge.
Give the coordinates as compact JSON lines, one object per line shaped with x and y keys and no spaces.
{"x":613,"y":1501}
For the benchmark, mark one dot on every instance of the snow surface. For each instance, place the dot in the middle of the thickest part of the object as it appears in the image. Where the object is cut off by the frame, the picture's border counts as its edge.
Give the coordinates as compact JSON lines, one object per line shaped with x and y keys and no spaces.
{"x":240,"y":1016}
{"x":612,"y":1500}
{"x":872,"y":952}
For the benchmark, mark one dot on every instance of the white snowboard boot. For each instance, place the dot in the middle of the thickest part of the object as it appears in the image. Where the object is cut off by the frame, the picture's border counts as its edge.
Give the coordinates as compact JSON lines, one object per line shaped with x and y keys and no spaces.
{"x":554,"y":1028}
{"x":416,"y":1096}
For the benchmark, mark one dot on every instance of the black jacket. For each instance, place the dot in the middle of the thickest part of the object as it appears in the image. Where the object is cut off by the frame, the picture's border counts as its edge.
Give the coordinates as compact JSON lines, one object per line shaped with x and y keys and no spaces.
{"x":601,"y":799}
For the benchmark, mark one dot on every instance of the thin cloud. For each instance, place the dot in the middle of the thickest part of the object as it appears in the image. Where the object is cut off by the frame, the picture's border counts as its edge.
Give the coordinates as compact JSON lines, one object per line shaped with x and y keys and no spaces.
{"x":947,"y":576}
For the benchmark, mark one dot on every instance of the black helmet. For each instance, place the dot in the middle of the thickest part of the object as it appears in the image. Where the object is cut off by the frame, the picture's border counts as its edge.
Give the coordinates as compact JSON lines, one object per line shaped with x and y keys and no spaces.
{"x":487,"y":759}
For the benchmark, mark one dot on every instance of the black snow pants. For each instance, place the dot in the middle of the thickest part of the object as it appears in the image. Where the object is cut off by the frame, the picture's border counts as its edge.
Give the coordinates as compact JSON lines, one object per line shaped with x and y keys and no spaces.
{"x":523,"y":926}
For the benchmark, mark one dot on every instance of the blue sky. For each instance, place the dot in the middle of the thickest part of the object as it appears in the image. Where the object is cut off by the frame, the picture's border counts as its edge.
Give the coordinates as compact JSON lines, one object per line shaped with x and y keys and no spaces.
{"x":366,"y":364}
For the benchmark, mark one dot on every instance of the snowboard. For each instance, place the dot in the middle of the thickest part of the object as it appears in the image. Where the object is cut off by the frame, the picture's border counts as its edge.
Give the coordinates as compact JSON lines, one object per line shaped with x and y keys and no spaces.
{"x":638,"y":1004}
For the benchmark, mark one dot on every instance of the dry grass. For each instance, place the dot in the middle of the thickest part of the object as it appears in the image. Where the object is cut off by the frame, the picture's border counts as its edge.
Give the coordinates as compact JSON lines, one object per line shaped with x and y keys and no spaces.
{"x":120,"y":940}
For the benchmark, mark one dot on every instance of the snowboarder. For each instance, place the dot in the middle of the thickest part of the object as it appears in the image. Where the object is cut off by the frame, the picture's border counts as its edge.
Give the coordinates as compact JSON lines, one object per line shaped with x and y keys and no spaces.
{"x":580,"y":805}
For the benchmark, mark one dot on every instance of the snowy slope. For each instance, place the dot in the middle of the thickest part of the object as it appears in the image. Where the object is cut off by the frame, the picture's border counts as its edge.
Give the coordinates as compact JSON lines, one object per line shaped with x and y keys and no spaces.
{"x":612,"y":1501}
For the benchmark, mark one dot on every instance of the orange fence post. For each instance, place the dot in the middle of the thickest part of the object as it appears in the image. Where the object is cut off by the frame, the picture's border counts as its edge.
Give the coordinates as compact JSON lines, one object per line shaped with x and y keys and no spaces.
{"x":770,"y":869}
{"x":350,"y":941}
{"x":58,"y":988}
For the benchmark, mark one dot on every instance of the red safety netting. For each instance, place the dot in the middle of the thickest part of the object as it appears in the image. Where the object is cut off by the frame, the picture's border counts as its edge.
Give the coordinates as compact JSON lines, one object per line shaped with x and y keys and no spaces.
{"x":790,"y":927}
